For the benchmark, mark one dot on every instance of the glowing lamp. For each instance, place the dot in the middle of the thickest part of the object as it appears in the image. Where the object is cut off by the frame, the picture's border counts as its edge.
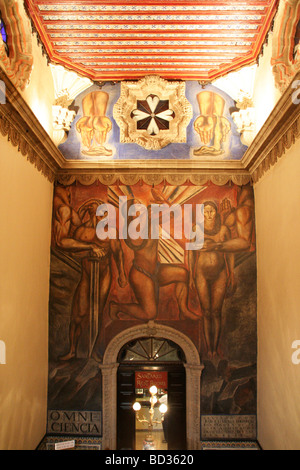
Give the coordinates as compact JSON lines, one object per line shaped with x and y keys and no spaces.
{"x":153,"y":390}
{"x":137,"y":406}
{"x":163,"y":409}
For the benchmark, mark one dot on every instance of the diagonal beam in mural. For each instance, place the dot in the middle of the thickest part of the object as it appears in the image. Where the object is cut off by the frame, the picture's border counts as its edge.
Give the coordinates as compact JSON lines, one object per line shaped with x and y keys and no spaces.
{"x":128,"y":39}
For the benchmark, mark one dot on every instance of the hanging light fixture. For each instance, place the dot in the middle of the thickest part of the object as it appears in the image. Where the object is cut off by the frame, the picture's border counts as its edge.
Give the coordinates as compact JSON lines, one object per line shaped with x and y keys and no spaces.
{"x":150,"y":422}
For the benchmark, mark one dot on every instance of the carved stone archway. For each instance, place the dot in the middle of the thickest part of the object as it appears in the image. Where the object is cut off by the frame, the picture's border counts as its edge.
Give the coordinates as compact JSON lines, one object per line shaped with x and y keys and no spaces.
{"x":109,"y":370}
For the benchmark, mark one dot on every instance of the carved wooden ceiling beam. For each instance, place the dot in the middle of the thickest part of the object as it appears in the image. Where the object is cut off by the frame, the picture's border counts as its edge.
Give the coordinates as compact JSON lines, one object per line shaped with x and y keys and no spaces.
{"x":126,"y":40}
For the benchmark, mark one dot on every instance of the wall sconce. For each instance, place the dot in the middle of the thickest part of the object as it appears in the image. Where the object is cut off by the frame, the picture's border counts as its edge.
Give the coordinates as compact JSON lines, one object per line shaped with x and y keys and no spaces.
{"x":2,"y":353}
{"x":151,"y":422}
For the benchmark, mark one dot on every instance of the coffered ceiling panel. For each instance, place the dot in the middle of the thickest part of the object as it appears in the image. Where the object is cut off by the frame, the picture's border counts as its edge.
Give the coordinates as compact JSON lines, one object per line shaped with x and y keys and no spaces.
{"x":128,"y":39}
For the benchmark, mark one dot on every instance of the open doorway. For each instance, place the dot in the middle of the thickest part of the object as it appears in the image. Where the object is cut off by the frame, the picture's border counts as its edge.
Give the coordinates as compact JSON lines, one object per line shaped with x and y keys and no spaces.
{"x":151,"y":423}
{"x":146,"y":363}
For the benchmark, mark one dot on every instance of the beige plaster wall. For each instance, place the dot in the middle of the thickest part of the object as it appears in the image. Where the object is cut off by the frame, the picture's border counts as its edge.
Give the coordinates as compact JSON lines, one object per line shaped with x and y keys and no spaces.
{"x":278,"y":226}
{"x":25,"y":208}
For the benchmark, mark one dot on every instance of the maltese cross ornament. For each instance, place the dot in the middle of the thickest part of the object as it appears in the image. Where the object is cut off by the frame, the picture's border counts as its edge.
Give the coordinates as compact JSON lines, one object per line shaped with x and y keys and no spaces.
{"x":153,"y":115}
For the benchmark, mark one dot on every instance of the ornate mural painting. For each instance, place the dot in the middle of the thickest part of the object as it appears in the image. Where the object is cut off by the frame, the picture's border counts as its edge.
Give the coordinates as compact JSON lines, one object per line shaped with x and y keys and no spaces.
{"x":153,"y":119}
{"x":162,"y":113}
{"x":100,"y":288}
{"x":94,"y":125}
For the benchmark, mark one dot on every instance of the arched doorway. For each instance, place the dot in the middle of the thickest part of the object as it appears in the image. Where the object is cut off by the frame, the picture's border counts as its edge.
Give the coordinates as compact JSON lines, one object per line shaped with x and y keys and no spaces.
{"x":147,"y":362}
{"x":109,"y":368}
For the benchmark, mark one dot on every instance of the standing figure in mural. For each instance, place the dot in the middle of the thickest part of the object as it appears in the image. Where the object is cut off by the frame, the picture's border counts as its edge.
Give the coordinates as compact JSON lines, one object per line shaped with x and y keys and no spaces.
{"x":146,"y":276}
{"x":212,"y":274}
{"x":81,"y":239}
{"x":81,"y":301}
{"x":211,"y":125}
{"x":95,"y":125}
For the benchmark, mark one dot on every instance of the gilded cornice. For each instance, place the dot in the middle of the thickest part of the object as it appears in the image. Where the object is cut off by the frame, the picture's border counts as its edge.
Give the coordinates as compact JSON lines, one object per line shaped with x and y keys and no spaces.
{"x":278,"y":134}
{"x":20,"y":125}
{"x":154,"y":177}
{"x":23,"y":129}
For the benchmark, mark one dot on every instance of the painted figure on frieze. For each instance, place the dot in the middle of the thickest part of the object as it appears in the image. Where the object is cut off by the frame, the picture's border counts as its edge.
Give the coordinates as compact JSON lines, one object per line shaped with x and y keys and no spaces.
{"x":212,"y":126}
{"x":95,"y":125}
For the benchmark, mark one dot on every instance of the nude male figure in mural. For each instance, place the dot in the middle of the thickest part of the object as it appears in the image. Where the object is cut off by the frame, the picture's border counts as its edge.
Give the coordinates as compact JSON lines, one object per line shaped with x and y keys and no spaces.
{"x":95,"y":125}
{"x":65,"y":222}
{"x":86,"y":233}
{"x":211,"y":124}
{"x":212,"y":274}
{"x":146,"y":276}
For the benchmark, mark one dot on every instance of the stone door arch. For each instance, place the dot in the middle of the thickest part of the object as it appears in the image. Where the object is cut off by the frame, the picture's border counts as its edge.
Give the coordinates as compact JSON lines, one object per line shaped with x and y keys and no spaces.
{"x":109,"y":370}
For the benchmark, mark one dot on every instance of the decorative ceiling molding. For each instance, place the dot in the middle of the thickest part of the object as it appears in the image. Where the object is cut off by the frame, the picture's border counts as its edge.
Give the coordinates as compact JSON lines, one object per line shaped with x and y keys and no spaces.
{"x":18,"y":62}
{"x":154,"y":179}
{"x":12,"y":132}
{"x":271,"y":158}
{"x":277,"y":135}
{"x":149,"y":105}
{"x":128,"y":39}
{"x":286,"y":53}
{"x":66,"y":82}
{"x":23,"y":129}
{"x":67,"y":86}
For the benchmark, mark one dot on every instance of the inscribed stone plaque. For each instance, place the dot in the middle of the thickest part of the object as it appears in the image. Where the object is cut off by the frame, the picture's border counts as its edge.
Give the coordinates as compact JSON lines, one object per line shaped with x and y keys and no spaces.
{"x":228,"y":427}
{"x":74,"y":422}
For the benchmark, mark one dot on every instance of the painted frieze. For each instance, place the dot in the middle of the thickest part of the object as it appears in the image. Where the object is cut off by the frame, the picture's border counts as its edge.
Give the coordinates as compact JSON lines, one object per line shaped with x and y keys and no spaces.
{"x":154,"y":119}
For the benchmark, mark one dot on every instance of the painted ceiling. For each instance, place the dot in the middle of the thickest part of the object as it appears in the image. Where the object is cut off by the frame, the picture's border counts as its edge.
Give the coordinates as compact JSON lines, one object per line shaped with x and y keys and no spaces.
{"x":112,"y":40}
